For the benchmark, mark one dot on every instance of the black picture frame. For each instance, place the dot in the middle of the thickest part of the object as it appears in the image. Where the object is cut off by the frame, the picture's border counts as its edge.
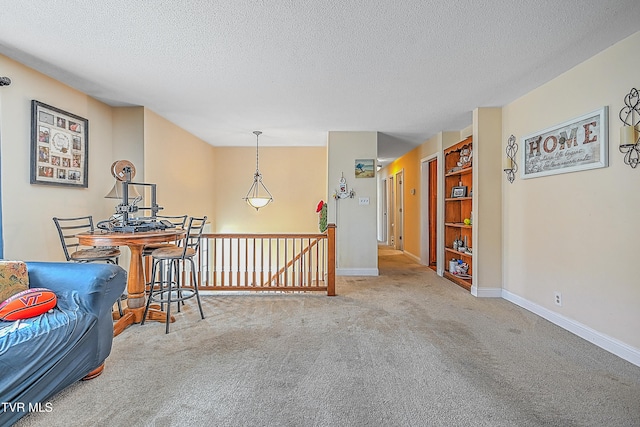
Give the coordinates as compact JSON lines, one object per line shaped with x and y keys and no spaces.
{"x":59,"y":147}
{"x":460,"y":191}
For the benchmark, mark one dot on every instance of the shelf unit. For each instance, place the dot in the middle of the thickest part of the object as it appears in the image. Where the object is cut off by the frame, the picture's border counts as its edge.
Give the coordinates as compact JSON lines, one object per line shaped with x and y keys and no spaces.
{"x":458,"y":207}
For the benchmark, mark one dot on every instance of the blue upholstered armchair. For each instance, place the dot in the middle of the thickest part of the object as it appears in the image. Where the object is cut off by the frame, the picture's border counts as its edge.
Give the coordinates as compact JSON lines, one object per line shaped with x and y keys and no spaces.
{"x":42,"y":355}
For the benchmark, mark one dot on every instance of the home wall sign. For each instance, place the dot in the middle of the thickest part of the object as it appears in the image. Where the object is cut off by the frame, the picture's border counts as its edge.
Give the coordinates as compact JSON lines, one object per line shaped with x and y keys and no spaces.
{"x":59,"y":147}
{"x":575,"y":145}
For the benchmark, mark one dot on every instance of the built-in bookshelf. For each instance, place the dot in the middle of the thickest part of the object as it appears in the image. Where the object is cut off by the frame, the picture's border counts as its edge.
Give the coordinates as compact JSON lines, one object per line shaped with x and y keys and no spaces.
{"x":458,"y":216}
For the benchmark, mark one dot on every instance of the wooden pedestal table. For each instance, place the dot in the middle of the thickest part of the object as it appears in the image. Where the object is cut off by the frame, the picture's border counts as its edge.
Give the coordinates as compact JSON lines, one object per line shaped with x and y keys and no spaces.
{"x":136,"y":299}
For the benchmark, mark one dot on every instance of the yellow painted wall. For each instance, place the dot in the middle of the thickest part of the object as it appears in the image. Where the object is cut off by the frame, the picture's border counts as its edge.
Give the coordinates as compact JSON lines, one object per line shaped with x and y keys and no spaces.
{"x":295,"y":176}
{"x":409,"y":164}
{"x":27,"y":209}
{"x":181,"y":165}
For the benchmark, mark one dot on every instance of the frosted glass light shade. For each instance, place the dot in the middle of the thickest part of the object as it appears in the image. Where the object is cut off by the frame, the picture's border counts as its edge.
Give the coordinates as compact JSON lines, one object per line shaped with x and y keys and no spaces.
{"x":258,"y":202}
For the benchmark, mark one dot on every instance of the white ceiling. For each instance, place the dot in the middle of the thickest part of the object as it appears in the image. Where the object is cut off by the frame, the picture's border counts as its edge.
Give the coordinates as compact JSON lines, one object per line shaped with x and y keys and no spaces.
{"x":296,"y":69}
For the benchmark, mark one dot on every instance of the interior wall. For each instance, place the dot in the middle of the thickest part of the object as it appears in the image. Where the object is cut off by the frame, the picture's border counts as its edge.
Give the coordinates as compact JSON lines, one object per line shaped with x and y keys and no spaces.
{"x":181,"y":166}
{"x":296,"y":177}
{"x":575,"y":233}
{"x":28,"y":209}
{"x":356,"y":240}
{"x":487,"y":201}
{"x":128,"y":137}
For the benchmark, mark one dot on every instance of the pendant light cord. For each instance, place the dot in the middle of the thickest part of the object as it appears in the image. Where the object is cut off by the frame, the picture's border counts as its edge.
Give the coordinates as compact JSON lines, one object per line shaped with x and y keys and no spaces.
{"x":257,"y":132}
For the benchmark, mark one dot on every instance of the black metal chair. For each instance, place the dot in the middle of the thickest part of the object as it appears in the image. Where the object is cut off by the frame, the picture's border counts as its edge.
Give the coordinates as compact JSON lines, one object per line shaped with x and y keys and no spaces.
{"x":68,"y":228}
{"x":169,"y":287}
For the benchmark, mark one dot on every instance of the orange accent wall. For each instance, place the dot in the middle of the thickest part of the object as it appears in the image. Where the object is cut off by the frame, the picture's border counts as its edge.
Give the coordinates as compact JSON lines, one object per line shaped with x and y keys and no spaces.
{"x":410,"y":165}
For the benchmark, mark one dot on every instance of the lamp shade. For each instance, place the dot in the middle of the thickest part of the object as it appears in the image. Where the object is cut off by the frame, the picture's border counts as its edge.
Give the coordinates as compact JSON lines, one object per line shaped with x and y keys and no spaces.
{"x":117,"y":191}
{"x":258,"y":202}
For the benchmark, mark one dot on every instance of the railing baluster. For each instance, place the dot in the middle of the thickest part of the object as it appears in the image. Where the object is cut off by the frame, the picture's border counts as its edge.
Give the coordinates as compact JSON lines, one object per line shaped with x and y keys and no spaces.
{"x":230,"y":262}
{"x":215,"y":262}
{"x":277,"y":272}
{"x":222,"y":270}
{"x":261,"y":262}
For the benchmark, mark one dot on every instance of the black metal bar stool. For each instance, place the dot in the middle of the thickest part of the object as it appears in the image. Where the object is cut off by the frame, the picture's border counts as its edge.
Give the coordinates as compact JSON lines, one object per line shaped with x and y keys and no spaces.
{"x":168,"y":288}
{"x":178,"y":221}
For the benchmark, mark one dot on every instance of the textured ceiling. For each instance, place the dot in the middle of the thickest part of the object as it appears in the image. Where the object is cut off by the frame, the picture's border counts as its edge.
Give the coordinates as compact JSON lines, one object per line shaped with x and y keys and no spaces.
{"x":296,"y":69}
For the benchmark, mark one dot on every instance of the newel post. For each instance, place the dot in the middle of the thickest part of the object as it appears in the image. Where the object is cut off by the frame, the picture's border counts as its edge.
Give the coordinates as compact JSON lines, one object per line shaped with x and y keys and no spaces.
{"x":331,"y":260}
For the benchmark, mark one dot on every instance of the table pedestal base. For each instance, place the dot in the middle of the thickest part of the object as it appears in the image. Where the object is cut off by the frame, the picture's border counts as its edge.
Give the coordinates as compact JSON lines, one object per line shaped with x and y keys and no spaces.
{"x":134,"y":315}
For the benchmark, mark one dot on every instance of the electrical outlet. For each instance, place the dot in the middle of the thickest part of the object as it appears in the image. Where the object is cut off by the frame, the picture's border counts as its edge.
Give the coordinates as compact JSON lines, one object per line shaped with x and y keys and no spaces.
{"x":557,"y":298}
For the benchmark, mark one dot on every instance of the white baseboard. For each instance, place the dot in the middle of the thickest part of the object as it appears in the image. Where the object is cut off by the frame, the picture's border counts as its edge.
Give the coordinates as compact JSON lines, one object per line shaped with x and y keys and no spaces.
{"x":413,"y":257}
{"x":357,"y":272}
{"x":486,"y":292}
{"x":603,"y":341}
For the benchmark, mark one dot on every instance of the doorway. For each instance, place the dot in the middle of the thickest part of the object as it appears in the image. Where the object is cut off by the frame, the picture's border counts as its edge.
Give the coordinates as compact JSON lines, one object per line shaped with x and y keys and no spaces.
{"x":432,"y":212}
{"x":398,"y":212}
{"x":384,"y":205}
{"x":392,"y":208}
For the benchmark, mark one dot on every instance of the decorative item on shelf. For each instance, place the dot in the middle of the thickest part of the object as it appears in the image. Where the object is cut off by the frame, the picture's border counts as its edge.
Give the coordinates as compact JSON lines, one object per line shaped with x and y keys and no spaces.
{"x":458,"y":268}
{"x":510,"y":165}
{"x":466,"y":157}
{"x":342,"y":192}
{"x":629,"y":140}
{"x":322,"y":220}
{"x":258,"y":196}
{"x":459,"y":191}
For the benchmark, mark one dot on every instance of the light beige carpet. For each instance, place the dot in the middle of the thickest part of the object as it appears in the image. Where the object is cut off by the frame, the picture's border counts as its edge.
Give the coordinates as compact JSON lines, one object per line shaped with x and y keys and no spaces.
{"x":407,"y":348}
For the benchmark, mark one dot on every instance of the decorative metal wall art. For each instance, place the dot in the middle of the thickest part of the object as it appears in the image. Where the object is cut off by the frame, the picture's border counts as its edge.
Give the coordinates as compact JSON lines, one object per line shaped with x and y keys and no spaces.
{"x":629,"y":141}
{"x":510,"y":166}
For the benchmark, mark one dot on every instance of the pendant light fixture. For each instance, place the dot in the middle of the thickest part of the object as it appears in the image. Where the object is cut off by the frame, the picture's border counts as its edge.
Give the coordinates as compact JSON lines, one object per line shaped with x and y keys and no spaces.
{"x":258,"y":196}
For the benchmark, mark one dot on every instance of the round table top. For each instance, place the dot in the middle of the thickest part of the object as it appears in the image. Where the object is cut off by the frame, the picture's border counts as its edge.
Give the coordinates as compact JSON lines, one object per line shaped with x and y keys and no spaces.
{"x":116,"y":238}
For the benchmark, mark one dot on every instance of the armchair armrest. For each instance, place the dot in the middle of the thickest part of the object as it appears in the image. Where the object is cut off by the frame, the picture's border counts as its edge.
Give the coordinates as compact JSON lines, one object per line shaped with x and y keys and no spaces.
{"x":95,"y":287}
